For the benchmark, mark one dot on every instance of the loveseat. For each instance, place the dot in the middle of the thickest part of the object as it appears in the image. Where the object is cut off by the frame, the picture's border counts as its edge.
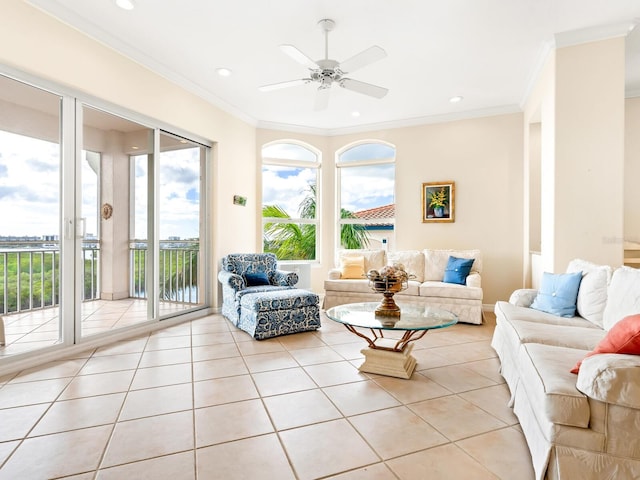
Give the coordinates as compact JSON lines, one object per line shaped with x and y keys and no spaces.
{"x":347,"y":282}
{"x":578,"y":426}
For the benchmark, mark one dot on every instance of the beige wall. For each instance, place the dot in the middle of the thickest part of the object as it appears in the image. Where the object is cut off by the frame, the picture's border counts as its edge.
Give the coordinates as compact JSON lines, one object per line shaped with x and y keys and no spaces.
{"x":484,"y":158}
{"x":632,"y":171}
{"x":589,"y":152}
{"x":579,"y":101}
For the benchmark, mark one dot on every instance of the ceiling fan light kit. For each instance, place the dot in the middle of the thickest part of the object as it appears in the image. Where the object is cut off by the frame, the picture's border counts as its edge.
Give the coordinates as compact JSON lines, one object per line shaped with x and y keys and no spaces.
{"x":327,"y":71}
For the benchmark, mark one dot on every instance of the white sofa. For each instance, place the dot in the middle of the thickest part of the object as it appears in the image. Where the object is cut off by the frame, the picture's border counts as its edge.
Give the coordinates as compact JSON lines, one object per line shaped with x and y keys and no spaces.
{"x":427,"y":268}
{"x":584,"y":426}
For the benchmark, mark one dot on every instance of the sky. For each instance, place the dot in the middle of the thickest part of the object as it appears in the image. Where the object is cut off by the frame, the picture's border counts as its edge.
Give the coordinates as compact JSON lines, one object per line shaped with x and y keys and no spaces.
{"x":30,"y":190}
{"x":362,"y":187}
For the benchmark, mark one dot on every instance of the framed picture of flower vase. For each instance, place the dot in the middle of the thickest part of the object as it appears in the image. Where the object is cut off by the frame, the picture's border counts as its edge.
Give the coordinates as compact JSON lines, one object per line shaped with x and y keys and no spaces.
{"x":438,"y":202}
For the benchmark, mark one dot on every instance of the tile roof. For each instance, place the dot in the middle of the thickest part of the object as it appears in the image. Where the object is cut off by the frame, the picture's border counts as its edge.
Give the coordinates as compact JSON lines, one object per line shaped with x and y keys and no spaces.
{"x":382,"y":213}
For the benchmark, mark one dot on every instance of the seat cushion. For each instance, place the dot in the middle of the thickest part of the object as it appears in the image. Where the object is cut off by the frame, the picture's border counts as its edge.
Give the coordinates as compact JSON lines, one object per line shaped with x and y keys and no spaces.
{"x":362,"y":286}
{"x":449,"y":290}
{"x":558,"y":335}
{"x":550,"y":386}
{"x":279,"y":300}
{"x":506,"y":310}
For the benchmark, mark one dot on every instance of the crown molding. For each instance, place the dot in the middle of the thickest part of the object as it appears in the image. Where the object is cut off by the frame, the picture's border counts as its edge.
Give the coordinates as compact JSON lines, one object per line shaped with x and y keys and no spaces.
{"x":572,"y":38}
{"x":592,"y":34}
{"x":402,"y":123}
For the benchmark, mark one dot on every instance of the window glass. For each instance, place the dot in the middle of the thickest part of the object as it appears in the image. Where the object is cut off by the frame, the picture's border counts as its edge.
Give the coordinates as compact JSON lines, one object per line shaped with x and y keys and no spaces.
{"x":366,"y":176}
{"x":368,"y":151}
{"x":288,"y":151}
{"x":289,"y":201}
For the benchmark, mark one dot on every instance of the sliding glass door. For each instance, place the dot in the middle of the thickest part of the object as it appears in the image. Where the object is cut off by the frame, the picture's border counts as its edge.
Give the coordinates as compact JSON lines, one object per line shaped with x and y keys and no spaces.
{"x":102,"y":220}
{"x":30,"y":230}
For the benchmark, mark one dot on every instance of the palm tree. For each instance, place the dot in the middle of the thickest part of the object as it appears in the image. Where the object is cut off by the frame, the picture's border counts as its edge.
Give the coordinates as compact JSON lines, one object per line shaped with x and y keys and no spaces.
{"x":290,"y":241}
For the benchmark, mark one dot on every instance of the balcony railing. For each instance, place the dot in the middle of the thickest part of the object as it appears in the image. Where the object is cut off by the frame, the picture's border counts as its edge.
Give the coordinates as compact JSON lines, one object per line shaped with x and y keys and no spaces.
{"x":30,"y":277}
{"x":179,"y":260}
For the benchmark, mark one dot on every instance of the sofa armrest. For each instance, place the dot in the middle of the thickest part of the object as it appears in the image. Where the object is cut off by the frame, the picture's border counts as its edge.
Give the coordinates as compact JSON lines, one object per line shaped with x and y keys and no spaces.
{"x":335,"y":274}
{"x":611,"y":378}
{"x":474,"y":280}
{"x":236,"y":282}
{"x":284,"y":278}
{"x":523,"y":297}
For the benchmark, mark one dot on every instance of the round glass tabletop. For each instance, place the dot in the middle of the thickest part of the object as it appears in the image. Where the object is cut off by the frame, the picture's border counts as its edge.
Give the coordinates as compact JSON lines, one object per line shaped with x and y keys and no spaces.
{"x":412,"y":317}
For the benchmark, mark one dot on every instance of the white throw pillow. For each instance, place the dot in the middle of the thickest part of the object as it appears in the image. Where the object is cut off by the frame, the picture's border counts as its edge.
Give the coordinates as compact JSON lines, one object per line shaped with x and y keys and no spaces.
{"x":623,"y":296}
{"x":592,"y":296}
{"x":435,"y":262}
{"x":373,"y":259}
{"x":413,"y":262}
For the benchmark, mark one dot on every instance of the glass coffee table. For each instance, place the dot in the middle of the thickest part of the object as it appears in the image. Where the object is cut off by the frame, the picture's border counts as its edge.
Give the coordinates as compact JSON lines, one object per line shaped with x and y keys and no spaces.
{"x":385,"y":355}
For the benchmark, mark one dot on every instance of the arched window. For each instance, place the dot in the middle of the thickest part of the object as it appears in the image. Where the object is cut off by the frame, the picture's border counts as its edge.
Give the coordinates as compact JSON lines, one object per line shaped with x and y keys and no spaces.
{"x":289,"y":200}
{"x":366,"y":195}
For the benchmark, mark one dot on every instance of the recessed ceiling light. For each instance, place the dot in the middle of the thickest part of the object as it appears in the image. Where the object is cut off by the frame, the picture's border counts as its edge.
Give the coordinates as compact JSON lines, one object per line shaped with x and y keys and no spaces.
{"x":134,"y":148}
{"x":125,"y":4}
{"x":355,"y":114}
{"x":223,"y":72}
{"x":456,"y":99}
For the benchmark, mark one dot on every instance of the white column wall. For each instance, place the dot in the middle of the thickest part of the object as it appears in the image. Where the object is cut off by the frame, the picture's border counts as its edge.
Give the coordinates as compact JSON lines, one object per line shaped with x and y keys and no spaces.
{"x":589,"y":153}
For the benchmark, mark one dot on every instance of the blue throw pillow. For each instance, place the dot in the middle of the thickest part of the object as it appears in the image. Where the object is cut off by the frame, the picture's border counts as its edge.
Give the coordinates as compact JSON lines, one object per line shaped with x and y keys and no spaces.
{"x":255,"y":279}
{"x":457,"y":270}
{"x":558,"y":293}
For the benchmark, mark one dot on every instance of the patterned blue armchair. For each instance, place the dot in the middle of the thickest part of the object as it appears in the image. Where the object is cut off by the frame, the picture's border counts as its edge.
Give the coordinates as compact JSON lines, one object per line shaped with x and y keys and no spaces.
{"x":244,"y":273}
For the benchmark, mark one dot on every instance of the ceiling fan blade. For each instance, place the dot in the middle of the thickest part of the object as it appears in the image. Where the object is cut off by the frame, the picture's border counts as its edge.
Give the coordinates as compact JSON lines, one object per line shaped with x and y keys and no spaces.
{"x":362,"y":59}
{"x":322,"y":99}
{"x":364,"y":88}
{"x":277,"y":86}
{"x":298,"y":56}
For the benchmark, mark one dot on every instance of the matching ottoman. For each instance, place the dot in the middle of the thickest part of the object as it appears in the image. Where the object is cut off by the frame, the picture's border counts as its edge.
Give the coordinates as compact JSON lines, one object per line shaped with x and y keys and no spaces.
{"x":280,"y":312}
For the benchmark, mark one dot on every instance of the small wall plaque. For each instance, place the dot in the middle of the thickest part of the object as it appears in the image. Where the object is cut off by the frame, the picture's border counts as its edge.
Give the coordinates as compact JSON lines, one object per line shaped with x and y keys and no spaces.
{"x":238,"y":200}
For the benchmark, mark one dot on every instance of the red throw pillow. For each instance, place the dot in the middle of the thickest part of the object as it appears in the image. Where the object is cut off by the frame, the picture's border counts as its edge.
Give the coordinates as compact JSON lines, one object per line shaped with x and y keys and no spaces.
{"x":624,"y":337}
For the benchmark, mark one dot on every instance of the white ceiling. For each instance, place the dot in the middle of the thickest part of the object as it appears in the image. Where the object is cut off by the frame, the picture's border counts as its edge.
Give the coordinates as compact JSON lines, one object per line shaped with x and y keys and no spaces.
{"x":487,"y":51}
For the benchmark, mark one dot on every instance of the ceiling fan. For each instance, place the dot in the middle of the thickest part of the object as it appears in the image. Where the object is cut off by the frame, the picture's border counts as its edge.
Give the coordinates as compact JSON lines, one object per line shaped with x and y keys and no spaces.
{"x":326,"y":72}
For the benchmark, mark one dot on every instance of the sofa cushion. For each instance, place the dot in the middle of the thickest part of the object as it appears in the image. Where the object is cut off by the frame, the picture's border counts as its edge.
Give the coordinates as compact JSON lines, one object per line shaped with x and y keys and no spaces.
{"x":352,"y":266}
{"x":592,"y":294}
{"x":506,"y":310}
{"x":449,"y":290}
{"x":413,"y":261}
{"x":558,"y":335}
{"x":373,"y":259}
{"x":622,"y":296}
{"x":624,"y":337}
{"x":256,"y":278}
{"x":435,"y":262}
{"x":362,"y":286}
{"x":457,"y":270}
{"x":550,"y":386}
{"x":558,"y":293}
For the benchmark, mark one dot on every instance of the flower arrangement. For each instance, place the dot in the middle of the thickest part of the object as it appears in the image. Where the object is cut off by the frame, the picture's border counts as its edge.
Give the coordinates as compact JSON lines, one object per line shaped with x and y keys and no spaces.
{"x":390,"y":278}
{"x":439,"y":198}
{"x":388,"y":281}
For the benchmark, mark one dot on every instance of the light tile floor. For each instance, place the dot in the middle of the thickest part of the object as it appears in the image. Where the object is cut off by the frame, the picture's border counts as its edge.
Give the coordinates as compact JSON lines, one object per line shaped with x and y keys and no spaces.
{"x":203,"y":400}
{"x":34,"y":329}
